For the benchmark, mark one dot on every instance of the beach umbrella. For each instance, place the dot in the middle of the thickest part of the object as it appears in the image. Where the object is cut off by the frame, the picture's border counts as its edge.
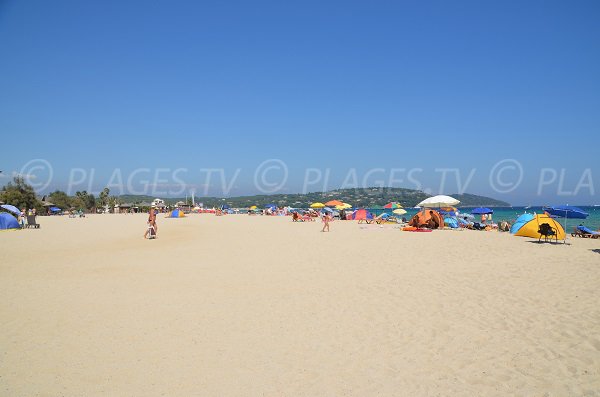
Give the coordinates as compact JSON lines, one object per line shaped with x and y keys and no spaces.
{"x":11,"y":208}
{"x":344,"y":206}
{"x":448,"y":211}
{"x":333,"y":203}
{"x":253,"y":207}
{"x":566,"y":211}
{"x":399,"y":211}
{"x":464,"y":215}
{"x":327,"y":209}
{"x":482,"y":211}
{"x":317,"y":205}
{"x":270,"y":206}
{"x":225,"y":207}
{"x":438,"y":202}
{"x":361,"y":214}
{"x":392,"y":205}
{"x":55,"y":209}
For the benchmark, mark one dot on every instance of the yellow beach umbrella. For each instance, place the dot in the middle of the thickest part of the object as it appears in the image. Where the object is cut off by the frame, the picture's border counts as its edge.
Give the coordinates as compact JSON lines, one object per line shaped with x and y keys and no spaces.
{"x":399,"y":211}
{"x":317,"y":205}
{"x":253,"y":207}
{"x":343,"y":206}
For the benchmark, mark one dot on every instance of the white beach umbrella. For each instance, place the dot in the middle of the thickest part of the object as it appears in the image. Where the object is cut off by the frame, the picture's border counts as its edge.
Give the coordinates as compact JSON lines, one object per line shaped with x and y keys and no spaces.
{"x":439,"y":202}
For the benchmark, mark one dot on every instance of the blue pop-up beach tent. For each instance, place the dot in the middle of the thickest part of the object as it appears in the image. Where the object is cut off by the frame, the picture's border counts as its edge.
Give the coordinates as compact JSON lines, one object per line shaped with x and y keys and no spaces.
{"x":451,"y":222}
{"x":11,"y":208}
{"x":7,"y":222}
{"x":520,"y":222}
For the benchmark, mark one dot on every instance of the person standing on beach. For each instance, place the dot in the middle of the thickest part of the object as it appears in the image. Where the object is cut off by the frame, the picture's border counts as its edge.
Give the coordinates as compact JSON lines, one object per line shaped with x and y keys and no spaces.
{"x":326,"y":220}
{"x":152,"y":223}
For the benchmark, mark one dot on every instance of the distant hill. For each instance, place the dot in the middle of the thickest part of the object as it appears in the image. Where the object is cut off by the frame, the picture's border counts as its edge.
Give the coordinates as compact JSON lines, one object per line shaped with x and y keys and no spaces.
{"x":363,"y":197}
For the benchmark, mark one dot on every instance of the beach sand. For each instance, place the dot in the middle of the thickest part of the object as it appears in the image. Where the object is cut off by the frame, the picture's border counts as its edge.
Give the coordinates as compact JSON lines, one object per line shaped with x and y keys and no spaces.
{"x":261,"y":306}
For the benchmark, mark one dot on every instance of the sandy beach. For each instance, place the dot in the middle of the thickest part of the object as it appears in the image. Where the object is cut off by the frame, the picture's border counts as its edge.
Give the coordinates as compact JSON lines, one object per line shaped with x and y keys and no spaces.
{"x":262,"y":306}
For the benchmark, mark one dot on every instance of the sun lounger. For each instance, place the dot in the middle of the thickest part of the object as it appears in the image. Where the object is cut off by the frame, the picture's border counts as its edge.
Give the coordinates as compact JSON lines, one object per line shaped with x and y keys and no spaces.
{"x":585,"y":232}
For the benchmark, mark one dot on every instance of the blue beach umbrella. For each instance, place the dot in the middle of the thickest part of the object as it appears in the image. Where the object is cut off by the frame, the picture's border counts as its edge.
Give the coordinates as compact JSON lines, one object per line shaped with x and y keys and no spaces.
{"x":567,"y":211}
{"x":270,"y":206}
{"x":55,"y":209}
{"x":11,"y":208}
{"x":482,"y":211}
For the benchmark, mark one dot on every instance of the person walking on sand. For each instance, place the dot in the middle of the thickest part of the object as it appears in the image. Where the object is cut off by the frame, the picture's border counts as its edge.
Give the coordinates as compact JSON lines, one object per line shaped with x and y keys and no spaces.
{"x":152,"y":224}
{"x":326,"y":219}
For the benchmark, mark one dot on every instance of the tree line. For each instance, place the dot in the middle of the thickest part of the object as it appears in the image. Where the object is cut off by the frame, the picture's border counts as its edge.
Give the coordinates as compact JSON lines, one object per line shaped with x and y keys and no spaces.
{"x":20,"y":194}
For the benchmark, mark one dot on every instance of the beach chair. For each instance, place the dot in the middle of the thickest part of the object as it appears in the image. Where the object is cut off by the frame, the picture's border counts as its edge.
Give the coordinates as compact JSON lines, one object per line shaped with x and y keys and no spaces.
{"x":547,"y":231}
{"x":31,"y":222}
{"x":478,"y":226}
{"x":585,"y":232}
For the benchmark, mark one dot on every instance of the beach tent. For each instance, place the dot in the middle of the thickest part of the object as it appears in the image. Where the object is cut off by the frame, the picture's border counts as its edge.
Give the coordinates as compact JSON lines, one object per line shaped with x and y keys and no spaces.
{"x":422,"y":218}
{"x":451,"y":222}
{"x":392,"y":205}
{"x":361,"y":214}
{"x":520,"y":222}
{"x":11,"y":208}
{"x":176,"y":213}
{"x":529,"y":228}
{"x":7,"y":222}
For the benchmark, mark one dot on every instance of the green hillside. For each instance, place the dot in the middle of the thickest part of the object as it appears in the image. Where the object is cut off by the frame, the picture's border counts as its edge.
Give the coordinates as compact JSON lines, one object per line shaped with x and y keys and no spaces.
{"x":364,"y":197}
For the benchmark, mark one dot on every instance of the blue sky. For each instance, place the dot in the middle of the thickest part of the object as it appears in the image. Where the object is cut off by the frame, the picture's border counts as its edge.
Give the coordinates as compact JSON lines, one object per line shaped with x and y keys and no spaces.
{"x":343,"y":86}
